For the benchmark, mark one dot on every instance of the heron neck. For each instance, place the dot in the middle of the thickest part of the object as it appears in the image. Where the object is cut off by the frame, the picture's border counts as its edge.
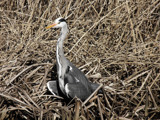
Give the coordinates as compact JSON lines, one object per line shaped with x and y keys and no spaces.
{"x":60,"y":51}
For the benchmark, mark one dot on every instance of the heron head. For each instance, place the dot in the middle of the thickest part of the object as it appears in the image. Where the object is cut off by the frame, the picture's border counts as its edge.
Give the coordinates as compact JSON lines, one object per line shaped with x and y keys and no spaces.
{"x":58,"y":23}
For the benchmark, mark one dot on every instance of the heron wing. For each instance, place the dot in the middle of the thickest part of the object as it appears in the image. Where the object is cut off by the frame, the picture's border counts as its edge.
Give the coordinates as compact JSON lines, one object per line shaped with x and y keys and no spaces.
{"x":76,"y":83}
{"x":78,"y":75}
{"x":77,"y":90}
{"x":52,"y":86}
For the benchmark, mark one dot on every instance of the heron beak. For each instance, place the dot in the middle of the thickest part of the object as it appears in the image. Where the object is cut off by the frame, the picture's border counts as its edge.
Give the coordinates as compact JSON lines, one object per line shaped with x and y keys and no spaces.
{"x":50,"y":26}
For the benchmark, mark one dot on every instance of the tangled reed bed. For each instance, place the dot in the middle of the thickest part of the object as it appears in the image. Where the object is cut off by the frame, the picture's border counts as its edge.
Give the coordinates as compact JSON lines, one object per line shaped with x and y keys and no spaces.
{"x":115,"y":43}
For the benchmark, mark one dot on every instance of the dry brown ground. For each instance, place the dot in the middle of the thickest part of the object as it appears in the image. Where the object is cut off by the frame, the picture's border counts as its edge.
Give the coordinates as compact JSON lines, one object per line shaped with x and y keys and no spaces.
{"x":115,"y":42}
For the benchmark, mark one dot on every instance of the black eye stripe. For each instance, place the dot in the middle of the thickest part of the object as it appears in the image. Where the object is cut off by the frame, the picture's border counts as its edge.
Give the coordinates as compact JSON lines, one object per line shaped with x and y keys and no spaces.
{"x":62,"y":20}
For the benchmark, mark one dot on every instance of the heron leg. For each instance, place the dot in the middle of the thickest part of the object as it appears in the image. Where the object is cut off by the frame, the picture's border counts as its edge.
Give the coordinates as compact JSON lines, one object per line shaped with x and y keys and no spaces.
{"x":53,"y":88}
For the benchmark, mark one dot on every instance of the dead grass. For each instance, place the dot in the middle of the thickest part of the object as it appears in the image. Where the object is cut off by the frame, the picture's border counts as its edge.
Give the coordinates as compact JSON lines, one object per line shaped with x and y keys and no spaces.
{"x":116,"y":43}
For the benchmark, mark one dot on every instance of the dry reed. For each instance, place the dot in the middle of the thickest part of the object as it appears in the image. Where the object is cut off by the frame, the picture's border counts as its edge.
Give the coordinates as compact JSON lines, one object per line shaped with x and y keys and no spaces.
{"x":116,"y":43}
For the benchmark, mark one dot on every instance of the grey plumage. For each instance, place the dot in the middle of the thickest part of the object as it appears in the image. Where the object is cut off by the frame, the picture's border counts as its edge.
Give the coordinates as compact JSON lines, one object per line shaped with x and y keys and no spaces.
{"x":72,"y":82}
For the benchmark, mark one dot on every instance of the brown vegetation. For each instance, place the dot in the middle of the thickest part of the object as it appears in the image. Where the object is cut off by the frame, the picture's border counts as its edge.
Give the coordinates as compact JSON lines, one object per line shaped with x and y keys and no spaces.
{"x":115,"y":42}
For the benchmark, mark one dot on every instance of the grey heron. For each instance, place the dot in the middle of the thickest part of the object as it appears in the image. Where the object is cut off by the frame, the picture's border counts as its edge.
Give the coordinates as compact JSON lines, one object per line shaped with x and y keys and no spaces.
{"x":71,"y":81}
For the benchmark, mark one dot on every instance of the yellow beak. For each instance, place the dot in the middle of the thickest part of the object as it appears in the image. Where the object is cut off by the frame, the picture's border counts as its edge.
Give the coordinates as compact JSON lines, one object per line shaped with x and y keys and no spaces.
{"x":54,"y":24}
